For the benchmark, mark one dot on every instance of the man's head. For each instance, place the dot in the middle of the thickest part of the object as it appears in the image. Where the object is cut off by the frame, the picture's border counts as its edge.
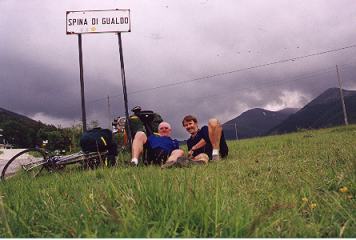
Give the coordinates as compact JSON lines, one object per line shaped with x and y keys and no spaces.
{"x":190,"y":123}
{"x":164,"y":129}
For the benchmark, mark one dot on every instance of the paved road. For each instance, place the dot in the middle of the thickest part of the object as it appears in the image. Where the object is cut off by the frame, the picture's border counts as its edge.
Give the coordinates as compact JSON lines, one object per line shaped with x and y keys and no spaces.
{"x":7,"y":154}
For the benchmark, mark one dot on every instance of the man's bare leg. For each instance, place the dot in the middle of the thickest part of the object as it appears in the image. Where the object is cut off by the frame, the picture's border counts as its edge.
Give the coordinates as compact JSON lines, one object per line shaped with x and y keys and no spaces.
{"x":175,"y":155}
{"x":215,"y":131}
{"x":137,"y":146}
{"x":172,"y":159}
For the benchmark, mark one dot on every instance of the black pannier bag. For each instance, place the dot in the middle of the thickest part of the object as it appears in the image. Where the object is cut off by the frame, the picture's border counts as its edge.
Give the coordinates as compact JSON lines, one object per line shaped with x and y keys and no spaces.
{"x":96,"y":139}
{"x":146,"y":121}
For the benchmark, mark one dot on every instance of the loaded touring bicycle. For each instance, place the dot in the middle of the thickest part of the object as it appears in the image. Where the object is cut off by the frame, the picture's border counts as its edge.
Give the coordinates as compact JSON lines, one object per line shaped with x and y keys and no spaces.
{"x":97,"y":149}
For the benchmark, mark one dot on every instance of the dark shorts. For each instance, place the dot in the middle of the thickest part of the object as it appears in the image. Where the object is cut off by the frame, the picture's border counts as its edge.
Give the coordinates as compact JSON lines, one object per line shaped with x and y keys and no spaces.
{"x":136,"y":126}
{"x":224,"y":150}
{"x":157,"y":156}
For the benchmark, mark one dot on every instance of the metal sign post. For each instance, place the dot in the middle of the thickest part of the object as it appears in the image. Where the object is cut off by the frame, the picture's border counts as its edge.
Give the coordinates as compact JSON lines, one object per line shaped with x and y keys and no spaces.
{"x":124,"y":90}
{"x":100,"y":21}
{"x":84,"y":118}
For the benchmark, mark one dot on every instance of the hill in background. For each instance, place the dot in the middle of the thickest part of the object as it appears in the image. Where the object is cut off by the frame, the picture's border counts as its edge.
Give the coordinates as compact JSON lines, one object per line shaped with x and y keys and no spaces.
{"x":6,"y":115}
{"x":322,"y":112}
{"x":255,"y":122}
{"x":23,"y":132}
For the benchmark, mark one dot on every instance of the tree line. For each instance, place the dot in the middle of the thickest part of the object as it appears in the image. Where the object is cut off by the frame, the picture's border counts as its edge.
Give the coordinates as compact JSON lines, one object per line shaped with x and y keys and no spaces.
{"x":26,"y":134}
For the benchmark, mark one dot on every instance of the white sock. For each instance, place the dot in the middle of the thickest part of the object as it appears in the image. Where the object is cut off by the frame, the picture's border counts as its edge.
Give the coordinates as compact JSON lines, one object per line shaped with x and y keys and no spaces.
{"x":135,"y":161}
{"x":215,"y":151}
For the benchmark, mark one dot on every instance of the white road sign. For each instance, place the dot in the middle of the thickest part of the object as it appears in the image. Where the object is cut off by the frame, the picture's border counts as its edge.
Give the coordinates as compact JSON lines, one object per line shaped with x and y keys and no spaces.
{"x":98,"y":21}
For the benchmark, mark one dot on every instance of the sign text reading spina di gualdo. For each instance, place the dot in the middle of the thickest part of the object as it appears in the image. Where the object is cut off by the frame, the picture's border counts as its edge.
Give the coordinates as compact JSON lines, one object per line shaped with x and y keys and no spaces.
{"x":98,"y":21}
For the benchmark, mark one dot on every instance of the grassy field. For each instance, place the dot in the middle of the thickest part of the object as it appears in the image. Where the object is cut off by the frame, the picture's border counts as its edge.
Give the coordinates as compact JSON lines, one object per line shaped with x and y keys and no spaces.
{"x":295,"y":185}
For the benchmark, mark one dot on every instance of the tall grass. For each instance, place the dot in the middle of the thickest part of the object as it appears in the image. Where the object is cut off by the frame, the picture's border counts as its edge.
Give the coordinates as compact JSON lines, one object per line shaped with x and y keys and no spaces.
{"x":295,"y":185}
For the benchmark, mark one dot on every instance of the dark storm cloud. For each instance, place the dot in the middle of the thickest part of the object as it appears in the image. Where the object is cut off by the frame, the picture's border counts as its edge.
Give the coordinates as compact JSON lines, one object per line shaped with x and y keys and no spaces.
{"x":208,"y":58}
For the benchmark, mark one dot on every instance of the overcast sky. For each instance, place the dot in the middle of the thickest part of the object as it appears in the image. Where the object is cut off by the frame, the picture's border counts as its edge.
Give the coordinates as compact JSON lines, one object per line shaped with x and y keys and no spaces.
{"x":209,"y":58}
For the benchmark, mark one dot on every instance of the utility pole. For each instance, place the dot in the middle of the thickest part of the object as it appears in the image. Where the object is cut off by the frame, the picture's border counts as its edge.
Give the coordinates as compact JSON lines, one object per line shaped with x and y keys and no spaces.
{"x":236,"y":130}
{"x":109,"y":112}
{"x":342,"y":96}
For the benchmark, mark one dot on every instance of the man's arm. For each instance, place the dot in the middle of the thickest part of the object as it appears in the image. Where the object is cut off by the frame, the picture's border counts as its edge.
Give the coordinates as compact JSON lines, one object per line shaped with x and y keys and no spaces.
{"x":200,"y":144}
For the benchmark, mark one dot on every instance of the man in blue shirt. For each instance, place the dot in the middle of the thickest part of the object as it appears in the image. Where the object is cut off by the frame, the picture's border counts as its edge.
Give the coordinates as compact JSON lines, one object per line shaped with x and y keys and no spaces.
{"x":207,"y":143}
{"x":162,"y":147}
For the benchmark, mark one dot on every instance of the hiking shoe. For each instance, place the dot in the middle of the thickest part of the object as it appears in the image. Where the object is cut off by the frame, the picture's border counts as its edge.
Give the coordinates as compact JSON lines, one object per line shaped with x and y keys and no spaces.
{"x":215,"y":158}
{"x":168,"y":164}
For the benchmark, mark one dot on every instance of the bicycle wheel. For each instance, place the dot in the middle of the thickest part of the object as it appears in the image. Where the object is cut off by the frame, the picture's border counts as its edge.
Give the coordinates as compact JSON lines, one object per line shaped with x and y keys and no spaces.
{"x":29,"y":162}
{"x":93,"y":160}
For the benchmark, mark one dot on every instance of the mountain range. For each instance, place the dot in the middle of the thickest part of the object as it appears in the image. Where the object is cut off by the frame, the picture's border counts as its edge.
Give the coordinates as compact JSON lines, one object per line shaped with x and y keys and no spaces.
{"x":255,"y":122}
{"x":323,"y":111}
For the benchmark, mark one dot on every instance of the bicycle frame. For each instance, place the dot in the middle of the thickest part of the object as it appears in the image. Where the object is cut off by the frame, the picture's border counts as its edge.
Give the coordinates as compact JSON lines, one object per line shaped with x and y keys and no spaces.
{"x":52,"y":163}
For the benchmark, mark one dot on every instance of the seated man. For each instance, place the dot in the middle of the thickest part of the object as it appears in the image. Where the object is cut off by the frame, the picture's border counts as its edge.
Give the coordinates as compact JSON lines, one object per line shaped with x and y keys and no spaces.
{"x":207,"y":143}
{"x":162,"y":147}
